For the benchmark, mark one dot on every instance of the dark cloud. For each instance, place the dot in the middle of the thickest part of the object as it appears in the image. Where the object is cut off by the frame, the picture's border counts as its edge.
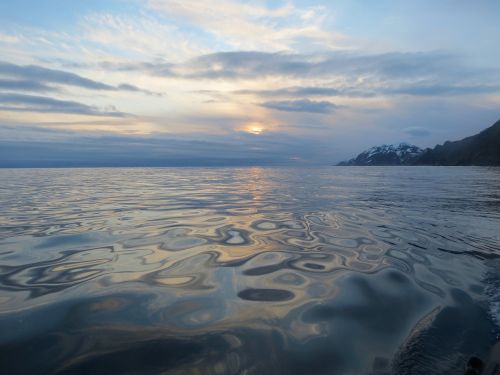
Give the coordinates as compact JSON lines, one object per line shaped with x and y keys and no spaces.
{"x":34,"y":77}
{"x":253,"y":64}
{"x":350,"y":74}
{"x":414,"y":89}
{"x":32,"y":103}
{"x":127,"y":87}
{"x":158,"y":66}
{"x":294,"y":91}
{"x":306,"y":91}
{"x":360,"y":75}
{"x":24,"y":85}
{"x":41,"y":74}
{"x":260,"y":64}
{"x":238,"y":149}
{"x":304,"y":105}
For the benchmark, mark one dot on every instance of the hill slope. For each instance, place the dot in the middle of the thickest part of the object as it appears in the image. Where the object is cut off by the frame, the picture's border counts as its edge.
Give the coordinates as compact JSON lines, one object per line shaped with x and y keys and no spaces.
{"x":479,"y":149}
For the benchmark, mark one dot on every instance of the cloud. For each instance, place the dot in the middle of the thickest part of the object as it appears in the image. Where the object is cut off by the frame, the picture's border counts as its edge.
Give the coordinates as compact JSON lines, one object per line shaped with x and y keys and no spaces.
{"x":417,"y":131}
{"x":24,"y":85}
{"x":236,"y":81}
{"x":43,"y":77}
{"x":348,"y":73}
{"x":342,"y":73}
{"x":238,"y":149}
{"x":132,"y":88}
{"x":250,"y":25}
{"x":430,"y":89}
{"x":386,"y":88}
{"x":31,"y":103}
{"x":41,"y":74}
{"x":304,"y":105}
{"x":252,"y":64}
{"x":141,"y":35}
{"x":293,"y":91}
{"x":9,"y":39}
{"x":246,"y":64}
{"x":309,"y":91}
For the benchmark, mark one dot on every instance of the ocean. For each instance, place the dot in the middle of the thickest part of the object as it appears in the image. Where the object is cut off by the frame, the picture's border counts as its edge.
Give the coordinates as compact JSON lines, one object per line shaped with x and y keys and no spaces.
{"x":255,"y":270}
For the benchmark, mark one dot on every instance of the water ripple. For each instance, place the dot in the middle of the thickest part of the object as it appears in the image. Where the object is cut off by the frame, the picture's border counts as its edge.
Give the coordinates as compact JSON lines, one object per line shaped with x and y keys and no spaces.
{"x":226,"y":271}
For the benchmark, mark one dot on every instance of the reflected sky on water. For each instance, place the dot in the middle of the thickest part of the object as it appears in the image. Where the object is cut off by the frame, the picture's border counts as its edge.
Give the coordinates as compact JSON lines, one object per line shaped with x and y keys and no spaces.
{"x":252,"y":270}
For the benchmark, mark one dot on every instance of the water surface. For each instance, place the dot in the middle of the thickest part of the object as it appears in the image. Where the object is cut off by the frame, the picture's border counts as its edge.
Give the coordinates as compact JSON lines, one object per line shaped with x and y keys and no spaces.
{"x":248,"y":271}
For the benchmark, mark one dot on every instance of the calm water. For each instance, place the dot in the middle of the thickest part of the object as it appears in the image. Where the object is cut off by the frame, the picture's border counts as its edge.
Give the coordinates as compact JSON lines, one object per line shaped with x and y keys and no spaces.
{"x":248,"y":271}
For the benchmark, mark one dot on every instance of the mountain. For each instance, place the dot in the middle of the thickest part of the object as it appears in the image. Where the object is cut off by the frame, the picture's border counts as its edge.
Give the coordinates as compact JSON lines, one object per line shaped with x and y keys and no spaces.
{"x":479,"y":149}
{"x":401,"y":154}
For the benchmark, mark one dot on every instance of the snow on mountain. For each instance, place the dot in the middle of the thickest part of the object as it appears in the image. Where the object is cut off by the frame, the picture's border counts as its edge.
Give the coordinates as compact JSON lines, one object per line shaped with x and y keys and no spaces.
{"x":398,"y":154}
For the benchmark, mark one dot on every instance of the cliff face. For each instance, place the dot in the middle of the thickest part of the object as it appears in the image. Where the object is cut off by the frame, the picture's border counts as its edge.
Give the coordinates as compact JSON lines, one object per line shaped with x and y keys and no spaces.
{"x":479,"y":149}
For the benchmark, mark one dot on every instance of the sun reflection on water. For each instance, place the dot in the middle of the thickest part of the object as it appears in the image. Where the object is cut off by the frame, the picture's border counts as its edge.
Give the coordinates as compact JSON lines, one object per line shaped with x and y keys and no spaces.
{"x":238,"y":267}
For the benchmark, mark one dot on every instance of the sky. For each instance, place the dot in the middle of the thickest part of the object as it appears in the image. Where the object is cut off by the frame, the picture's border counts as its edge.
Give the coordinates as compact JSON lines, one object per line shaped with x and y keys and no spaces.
{"x":227,"y":82}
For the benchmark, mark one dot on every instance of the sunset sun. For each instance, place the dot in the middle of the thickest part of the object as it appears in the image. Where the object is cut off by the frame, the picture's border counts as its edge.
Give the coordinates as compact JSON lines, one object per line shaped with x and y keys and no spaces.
{"x":255,"y":130}
{"x":254,"y":127}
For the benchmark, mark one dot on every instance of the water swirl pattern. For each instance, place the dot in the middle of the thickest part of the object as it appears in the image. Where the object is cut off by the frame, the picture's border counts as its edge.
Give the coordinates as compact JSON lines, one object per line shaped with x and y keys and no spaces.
{"x":248,"y":270}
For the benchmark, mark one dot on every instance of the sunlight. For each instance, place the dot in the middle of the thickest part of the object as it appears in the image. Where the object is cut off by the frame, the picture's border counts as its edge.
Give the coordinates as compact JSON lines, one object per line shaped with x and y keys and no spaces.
{"x":249,"y":187}
{"x":255,"y":130}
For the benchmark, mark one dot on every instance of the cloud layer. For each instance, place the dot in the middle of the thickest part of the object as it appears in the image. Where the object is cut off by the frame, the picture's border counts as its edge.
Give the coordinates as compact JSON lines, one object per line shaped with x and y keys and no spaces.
{"x":266,"y":81}
{"x":304,"y":105}
{"x":33,"y":103}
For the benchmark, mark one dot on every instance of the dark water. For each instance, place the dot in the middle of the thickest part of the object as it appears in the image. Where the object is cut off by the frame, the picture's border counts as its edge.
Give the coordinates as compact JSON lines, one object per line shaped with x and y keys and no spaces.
{"x":248,"y":271}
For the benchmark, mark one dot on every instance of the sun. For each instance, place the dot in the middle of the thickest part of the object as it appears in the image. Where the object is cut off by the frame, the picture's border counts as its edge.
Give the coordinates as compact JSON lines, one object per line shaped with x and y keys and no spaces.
{"x":255,"y":130}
